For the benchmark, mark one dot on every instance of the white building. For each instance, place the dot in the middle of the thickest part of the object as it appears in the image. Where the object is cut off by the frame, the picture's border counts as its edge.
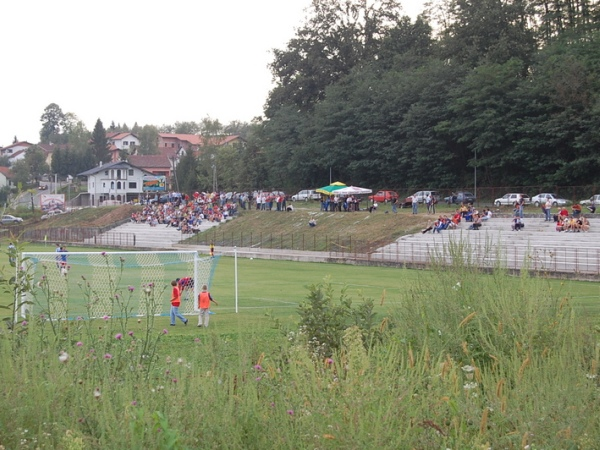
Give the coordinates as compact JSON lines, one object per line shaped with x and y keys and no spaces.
{"x":114,"y":183}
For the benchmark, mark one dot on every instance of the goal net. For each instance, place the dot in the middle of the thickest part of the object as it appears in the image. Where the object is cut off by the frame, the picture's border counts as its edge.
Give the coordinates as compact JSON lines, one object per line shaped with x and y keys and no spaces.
{"x":69,"y":285}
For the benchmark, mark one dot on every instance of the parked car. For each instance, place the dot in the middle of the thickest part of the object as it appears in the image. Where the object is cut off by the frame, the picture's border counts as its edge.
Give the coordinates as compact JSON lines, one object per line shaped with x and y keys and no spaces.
{"x":511,"y":199}
{"x":384,"y":196}
{"x":595,"y":199}
{"x":54,"y":212}
{"x":421,"y":196}
{"x":540,"y":199}
{"x":43,"y":187}
{"x":166,"y":198}
{"x":306,"y":195}
{"x":7,"y":219}
{"x":460,"y":197}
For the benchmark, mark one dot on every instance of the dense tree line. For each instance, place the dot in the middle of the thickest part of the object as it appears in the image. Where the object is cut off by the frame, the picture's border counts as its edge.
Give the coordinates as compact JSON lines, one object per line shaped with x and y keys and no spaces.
{"x":509,"y":86}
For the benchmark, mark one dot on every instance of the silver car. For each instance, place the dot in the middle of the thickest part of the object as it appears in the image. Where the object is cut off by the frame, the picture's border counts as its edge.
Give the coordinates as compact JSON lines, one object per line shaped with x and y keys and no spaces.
{"x":511,"y":199}
{"x":8,"y":219}
{"x":541,"y":199}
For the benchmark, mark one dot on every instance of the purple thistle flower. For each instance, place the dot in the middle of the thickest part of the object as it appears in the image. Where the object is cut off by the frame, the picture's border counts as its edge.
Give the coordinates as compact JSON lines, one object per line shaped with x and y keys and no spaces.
{"x":103,"y":253}
{"x":134,"y":403}
{"x":130,"y":333}
{"x":24,"y":323}
{"x":107,"y":356}
{"x":130,"y":288}
{"x":258,"y":367}
{"x":329,"y":361}
{"x":290,"y":412}
{"x":165,"y":331}
{"x":79,"y":344}
{"x":105,"y":317}
{"x":118,"y":336}
{"x":174,"y":380}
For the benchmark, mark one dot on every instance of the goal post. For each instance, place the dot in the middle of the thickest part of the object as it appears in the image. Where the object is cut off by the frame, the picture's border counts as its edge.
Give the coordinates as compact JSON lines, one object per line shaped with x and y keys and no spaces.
{"x":69,"y":285}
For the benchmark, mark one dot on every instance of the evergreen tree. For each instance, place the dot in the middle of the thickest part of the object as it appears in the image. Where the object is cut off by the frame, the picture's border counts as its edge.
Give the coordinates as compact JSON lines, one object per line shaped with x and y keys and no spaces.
{"x":99,"y":144}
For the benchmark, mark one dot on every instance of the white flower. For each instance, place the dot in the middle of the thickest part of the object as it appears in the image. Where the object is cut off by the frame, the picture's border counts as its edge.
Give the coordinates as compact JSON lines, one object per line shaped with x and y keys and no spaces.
{"x":468,"y":369}
{"x":471,"y":385}
{"x":97,"y":393}
{"x":63,"y":357}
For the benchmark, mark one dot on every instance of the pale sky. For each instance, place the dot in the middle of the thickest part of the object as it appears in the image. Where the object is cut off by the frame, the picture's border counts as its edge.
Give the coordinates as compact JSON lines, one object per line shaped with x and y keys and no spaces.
{"x":150,"y":62}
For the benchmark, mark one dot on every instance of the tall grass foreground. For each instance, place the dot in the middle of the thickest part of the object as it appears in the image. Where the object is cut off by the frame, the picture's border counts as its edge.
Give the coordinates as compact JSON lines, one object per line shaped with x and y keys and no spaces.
{"x":467,"y":362}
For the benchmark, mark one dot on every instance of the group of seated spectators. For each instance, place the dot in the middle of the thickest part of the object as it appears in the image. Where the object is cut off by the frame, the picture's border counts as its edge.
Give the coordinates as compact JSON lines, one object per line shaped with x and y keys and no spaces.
{"x":184,"y":213}
{"x":464,"y":212}
{"x":573,"y":223}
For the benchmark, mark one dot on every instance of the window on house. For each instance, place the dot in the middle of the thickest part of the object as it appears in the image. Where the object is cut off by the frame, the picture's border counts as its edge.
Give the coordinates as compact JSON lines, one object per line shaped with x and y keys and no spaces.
{"x":166,"y":145}
{"x":118,"y":185}
{"x":130,"y":172}
{"x":106,"y":172}
{"x":125,"y":143}
{"x":172,"y":144}
{"x":132,"y":185}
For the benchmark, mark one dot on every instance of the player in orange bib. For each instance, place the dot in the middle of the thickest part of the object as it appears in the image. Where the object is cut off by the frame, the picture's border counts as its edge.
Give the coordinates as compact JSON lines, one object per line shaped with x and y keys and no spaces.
{"x":204,"y":299}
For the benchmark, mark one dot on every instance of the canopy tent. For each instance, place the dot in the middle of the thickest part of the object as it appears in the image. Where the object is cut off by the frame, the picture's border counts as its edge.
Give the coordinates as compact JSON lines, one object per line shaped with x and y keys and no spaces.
{"x":353,"y":190}
{"x":330,"y":190}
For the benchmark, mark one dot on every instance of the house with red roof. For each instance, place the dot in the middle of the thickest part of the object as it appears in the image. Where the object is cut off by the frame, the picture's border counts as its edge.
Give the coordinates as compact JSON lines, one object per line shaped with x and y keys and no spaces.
{"x":18,"y":148}
{"x":121,"y":141}
{"x":6,"y":177}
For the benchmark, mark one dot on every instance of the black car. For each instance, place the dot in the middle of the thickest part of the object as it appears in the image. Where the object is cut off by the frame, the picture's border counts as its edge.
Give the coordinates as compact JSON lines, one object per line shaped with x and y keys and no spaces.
{"x":460,"y":197}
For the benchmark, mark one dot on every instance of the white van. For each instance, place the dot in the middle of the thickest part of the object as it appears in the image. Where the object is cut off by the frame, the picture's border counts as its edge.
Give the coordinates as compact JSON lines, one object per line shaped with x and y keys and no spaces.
{"x":306,"y":195}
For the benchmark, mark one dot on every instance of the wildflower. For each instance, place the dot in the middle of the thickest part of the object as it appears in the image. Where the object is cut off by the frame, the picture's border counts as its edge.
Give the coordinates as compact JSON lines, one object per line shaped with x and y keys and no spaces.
{"x":290,"y":412}
{"x":168,"y":359}
{"x":105,"y":317}
{"x":130,"y":288}
{"x":107,"y":356}
{"x":165,"y":331}
{"x":97,"y":393}
{"x":63,"y":356}
{"x":174,"y":380}
{"x":134,"y":403}
{"x":118,"y":336}
{"x":329,"y":361}
{"x":130,"y":333}
{"x":24,"y":323}
{"x":272,"y":404}
{"x":196,"y":339}
{"x":258,"y":378}
{"x":103,"y":253}
{"x":179,"y":360}
{"x":470,"y":385}
{"x":79,"y":344}
{"x":117,"y":296}
{"x":258,"y":367}
{"x":79,"y":318}
{"x":139,"y":320}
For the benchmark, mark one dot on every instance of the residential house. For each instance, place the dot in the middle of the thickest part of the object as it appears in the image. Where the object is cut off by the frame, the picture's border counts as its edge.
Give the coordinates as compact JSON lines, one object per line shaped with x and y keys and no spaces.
{"x":159,"y":165}
{"x":6,"y":177}
{"x":16,"y":151}
{"x":119,"y":141}
{"x":113,"y":183}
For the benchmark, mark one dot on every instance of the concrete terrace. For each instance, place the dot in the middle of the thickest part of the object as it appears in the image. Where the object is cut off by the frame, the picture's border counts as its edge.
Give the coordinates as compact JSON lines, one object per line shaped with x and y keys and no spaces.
{"x":538,"y":246}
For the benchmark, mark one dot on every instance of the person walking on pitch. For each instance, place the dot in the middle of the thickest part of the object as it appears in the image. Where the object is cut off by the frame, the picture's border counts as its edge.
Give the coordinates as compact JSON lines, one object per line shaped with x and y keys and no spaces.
{"x":204,"y":299}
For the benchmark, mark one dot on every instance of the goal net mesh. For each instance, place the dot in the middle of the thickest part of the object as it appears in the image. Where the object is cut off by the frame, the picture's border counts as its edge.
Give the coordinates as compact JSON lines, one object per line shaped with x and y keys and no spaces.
{"x":68,"y":285}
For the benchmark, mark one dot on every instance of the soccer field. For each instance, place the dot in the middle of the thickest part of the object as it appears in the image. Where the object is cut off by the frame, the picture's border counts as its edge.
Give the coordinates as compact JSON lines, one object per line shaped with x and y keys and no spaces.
{"x":273,"y":287}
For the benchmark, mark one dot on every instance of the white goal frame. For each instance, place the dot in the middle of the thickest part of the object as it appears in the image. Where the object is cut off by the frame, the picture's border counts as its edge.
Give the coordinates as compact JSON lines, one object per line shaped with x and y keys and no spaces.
{"x":69,"y":285}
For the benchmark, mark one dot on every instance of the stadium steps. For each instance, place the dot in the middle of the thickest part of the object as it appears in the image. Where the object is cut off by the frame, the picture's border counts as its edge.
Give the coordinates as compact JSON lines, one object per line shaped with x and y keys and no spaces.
{"x":538,"y":242}
{"x":145,"y":236}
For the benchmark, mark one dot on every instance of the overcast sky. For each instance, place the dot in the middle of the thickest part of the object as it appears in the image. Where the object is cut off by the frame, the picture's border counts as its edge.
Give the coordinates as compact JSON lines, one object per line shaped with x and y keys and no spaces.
{"x":130,"y":61}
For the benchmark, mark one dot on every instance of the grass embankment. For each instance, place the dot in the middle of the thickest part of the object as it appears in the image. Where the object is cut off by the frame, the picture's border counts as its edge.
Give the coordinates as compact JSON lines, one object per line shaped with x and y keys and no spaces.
{"x":336,"y":231}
